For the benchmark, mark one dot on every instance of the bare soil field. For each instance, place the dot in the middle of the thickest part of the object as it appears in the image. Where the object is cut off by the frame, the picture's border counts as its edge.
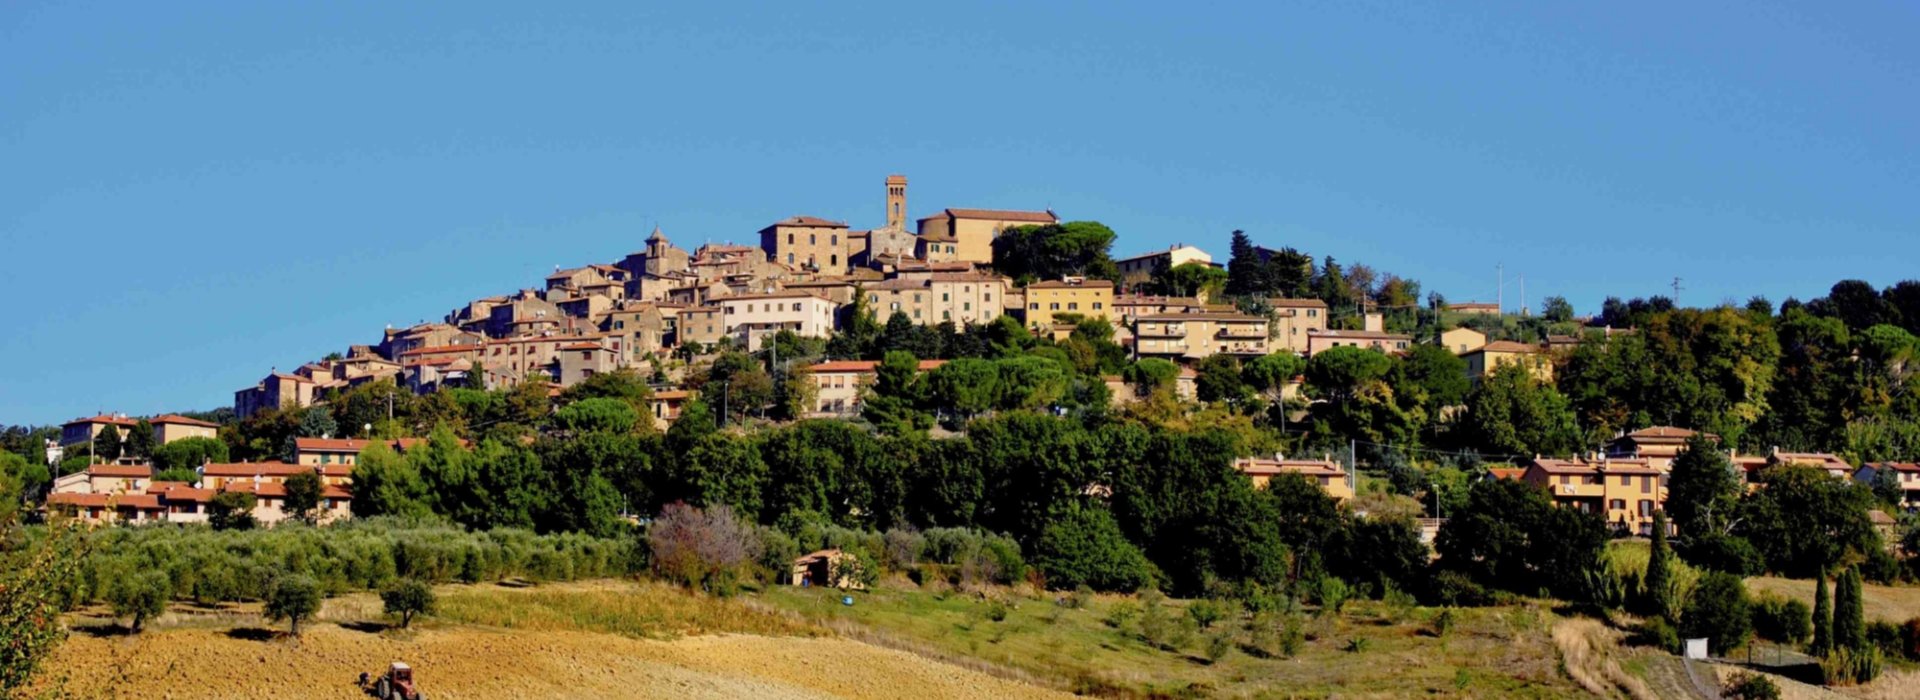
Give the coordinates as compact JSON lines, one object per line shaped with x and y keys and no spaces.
{"x":230,"y":653}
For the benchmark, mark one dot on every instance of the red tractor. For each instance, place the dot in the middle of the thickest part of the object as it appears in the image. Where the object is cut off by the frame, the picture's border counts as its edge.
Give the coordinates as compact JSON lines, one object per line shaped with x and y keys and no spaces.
{"x":396,"y":684}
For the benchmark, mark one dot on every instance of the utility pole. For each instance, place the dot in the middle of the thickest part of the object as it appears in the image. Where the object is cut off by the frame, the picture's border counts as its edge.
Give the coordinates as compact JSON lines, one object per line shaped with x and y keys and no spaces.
{"x":1500,"y":286}
{"x":1676,"y":291}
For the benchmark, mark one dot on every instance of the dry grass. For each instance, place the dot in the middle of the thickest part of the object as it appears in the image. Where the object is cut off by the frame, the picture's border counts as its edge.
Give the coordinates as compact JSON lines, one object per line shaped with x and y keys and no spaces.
{"x":1890,"y":603}
{"x":1589,"y":649}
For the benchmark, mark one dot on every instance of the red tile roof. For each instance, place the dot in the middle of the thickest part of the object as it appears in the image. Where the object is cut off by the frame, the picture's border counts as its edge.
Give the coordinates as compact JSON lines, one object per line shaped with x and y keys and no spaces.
{"x":1063,"y":284}
{"x":181,"y":420}
{"x":253,"y":469}
{"x":807,"y":221}
{"x":1505,"y":346}
{"x":104,"y":418}
{"x":137,"y":471}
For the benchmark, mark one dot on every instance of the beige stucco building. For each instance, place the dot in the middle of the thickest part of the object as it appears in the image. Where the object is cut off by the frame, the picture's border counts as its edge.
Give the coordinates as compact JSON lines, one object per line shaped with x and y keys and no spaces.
{"x":753,"y":317}
{"x":1139,"y":268}
{"x":1461,"y":341}
{"x":838,"y":384}
{"x":1325,"y":472}
{"x":972,"y":231}
{"x":1492,"y":356}
{"x":1295,"y":320}
{"x":1198,"y":335}
{"x":1073,"y":295}
{"x":1624,"y":492}
{"x":1323,"y":340}
{"x":961,"y":298}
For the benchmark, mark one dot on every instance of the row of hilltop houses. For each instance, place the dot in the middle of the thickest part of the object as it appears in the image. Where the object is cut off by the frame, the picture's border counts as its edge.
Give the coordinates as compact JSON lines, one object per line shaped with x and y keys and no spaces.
{"x":806,"y":270}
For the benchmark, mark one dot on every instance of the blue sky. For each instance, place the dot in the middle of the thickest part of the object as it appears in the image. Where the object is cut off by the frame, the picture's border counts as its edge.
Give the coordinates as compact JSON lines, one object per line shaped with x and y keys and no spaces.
{"x":193,"y":193}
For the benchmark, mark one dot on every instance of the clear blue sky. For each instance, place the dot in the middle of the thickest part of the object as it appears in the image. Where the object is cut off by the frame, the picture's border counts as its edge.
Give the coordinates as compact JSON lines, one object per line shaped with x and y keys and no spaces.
{"x":191,"y":194}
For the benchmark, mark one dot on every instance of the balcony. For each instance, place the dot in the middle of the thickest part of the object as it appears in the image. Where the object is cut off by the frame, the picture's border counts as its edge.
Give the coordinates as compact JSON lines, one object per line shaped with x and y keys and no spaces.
{"x":1242,"y":331}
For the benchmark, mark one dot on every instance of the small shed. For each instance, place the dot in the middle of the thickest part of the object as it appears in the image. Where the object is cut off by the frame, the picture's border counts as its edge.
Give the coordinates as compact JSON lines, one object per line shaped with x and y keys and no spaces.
{"x":820,"y":569}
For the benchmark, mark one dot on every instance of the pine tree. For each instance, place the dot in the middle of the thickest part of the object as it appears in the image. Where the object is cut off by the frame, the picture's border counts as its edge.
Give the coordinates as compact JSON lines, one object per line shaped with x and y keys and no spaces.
{"x":107,"y":445}
{"x":1822,"y":615}
{"x":1660,"y":570}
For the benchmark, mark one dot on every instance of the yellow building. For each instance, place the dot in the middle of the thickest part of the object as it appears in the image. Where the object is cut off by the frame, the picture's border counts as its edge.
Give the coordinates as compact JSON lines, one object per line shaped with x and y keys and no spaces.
{"x":1198,"y":335}
{"x":1625,"y":492}
{"x":1461,"y":341}
{"x":1325,"y":472}
{"x":1073,"y":295}
{"x":1490,"y":357}
{"x":1140,"y":268}
{"x":972,"y":231}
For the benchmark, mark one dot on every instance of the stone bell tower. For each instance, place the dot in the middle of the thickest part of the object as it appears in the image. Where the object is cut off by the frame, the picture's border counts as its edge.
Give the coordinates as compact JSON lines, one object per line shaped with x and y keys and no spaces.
{"x":897,"y":202}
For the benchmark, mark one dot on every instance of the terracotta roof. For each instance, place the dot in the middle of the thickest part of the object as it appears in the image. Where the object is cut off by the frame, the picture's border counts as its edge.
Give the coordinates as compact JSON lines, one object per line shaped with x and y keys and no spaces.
{"x":1661,"y":431}
{"x":771,"y":295}
{"x":865,"y":365}
{"x":807,"y":221}
{"x":103,"y":418}
{"x":1044,"y":217}
{"x":1279,"y":303}
{"x":1823,"y":460}
{"x":1204,"y":316}
{"x":671,"y":394}
{"x":1609,"y":466}
{"x":104,"y":500}
{"x":183,"y":493}
{"x":240,"y":469}
{"x":139,"y":471}
{"x":1368,"y":335}
{"x":440,"y":349}
{"x":583,"y":346}
{"x":1897,"y":466}
{"x":1508,"y":473}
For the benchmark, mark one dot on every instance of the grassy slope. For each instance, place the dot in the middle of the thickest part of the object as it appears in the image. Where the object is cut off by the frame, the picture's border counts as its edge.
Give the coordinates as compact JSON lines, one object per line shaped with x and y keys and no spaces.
{"x":1894,"y":604}
{"x":1503,"y":652}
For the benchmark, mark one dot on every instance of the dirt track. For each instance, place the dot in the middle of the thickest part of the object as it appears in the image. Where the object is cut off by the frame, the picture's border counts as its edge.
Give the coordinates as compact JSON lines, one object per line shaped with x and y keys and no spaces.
{"x":468,"y":662}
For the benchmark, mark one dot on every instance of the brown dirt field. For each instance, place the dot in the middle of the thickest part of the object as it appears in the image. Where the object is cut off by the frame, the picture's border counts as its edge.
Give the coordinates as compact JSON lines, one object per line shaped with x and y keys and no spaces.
{"x":470,"y":662}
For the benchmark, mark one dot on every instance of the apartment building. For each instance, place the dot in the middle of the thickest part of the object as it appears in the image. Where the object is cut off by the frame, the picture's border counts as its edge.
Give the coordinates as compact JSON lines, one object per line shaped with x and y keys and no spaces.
{"x":1324,"y":471}
{"x":84,"y":430}
{"x":1137,"y":270}
{"x":1320,"y":341}
{"x":1625,"y":492}
{"x":1193,"y":336}
{"x":1485,"y":359}
{"x":1295,"y":321}
{"x":1658,"y":445}
{"x":1128,"y":308}
{"x":971,"y":231}
{"x":321,"y":452}
{"x":750,"y":318}
{"x":1905,"y":474}
{"x":1073,"y":295}
{"x":960,"y":298}
{"x":838,"y":384}
{"x":705,"y":325}
{"x":277,"y":390}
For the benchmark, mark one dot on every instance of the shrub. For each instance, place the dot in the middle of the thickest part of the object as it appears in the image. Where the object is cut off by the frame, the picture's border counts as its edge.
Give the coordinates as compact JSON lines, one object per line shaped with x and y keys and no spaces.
{"x":1293,"y":633}
{"x":1204,"y":613}
{"x":1120,"y":614}
{"x":1910,"y":639}
{"x":1658,"y":633}
{"x":1885,"y":636}
{"x":904,"y":547}
{"x":703,"y":549}
{"x":1218,"y":646}
{"x":1844,"y":666}
{"x":1358,"y":645}
{"x":1332,"y":594}
{"x":1455,"y":588}
{"x":231,"y":510}
{"x":1734,"y":555}
{"x":996,"y":611}
{"x":407,"y":598}
{"x":1718,"y":611}
{"x":1749,"y":686}
{"x":1080,"y":597}
{"x":1782,"y":619}
{"x":1443,"y":622}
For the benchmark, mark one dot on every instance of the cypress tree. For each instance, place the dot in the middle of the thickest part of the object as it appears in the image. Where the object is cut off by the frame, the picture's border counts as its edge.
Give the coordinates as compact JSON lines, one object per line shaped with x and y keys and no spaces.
{"x":1659,"y":581}
{"x":1822,"y":615}
{"x":1849,"y":613}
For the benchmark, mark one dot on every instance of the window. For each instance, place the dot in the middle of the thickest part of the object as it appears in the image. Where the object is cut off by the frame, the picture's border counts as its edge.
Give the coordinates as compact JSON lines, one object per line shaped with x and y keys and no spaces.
{"x":946,"y":315}
{"x":813,"y":239}
{"x":789,"y":258}
{"x":1626,"y":480}
{"x":1646,"y":485}
{"x":833,"y":259}
{"x":1035,"y":306}
{"x":895,"y":306}
{"x":1073,"y":306}
{"x":833,"y":239}
{"x":1646,"y":508}
{"x":966,"y":306}
{"x":988,"y":297}
{"x":1312,"y":313}
{"x":873,"y":298}
{"x":916,"y":314}
{"x":796,"y":306}
{"x":1055,"y":306}
{"x":916,"y":297}
{"x":1096,"y":306}
{"x":789,"y":239}
{"x":586,"y":354}
{"x":1618,"y":504}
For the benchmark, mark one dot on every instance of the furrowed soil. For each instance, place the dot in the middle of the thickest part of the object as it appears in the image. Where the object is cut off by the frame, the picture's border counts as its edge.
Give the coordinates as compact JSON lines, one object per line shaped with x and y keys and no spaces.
{"x":573,"y":641}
